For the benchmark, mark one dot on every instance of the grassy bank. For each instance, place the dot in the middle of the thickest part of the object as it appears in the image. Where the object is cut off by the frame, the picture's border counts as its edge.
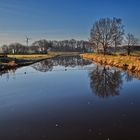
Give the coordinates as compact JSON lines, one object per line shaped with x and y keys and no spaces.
{"x":35,"y":57}
{"x":130,"y":63}
{"x":12,"y":61}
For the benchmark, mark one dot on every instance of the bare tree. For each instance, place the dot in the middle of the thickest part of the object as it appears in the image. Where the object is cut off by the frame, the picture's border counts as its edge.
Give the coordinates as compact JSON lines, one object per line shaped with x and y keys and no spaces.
{"x":131,"y":41}
{"x":70,"y":45}
{"x":118,"y":31}
{"x":106,"y":32}
{"x":5,"y":49}
{"x":40,"y":46}
{"x":17,"y":48}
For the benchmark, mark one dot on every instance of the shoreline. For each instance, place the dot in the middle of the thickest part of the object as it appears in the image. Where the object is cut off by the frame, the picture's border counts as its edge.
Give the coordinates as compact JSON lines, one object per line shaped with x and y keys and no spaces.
{"x":26,"y":60}
{"x":128,"y":63}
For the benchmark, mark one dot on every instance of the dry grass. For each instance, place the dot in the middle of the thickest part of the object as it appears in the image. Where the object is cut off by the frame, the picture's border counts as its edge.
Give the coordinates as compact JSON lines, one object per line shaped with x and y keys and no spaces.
{"x":131,"y":63}
{"x":136,"y":53}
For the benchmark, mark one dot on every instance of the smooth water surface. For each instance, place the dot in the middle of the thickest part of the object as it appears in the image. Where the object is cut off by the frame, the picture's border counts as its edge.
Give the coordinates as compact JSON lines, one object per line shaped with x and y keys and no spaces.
{"x":68,"y":98}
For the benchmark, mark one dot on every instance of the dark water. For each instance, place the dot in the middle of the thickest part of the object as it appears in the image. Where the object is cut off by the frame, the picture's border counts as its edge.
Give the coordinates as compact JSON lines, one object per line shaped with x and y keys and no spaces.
{"x":68,"y":98}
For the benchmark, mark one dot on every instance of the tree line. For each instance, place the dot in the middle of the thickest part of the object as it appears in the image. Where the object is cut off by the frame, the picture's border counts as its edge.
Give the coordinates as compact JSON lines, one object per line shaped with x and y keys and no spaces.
{"x":42,"y":47}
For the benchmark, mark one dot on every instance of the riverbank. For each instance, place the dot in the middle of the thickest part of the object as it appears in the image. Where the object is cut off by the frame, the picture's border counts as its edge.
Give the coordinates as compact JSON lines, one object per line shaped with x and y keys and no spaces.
{"x":130,"y":63}
{"x":14,"y":61}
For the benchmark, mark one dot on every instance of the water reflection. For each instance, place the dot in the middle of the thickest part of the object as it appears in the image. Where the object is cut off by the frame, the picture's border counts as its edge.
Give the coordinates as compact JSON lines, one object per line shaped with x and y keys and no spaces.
{"x":8,"y":73}
{"x":129,"y":76}
{"x":3,"y":72}
{"x":105,"y":82}
{"x":66,"y":61}
{"x":60,"y":105}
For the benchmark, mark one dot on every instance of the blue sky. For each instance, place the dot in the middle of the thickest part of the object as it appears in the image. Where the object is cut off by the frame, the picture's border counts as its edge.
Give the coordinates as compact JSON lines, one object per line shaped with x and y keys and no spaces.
{"x":62,"y":19}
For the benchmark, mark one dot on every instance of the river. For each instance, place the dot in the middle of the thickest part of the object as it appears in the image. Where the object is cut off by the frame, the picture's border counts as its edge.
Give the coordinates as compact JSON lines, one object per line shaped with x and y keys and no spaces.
{"x":68,"y":98}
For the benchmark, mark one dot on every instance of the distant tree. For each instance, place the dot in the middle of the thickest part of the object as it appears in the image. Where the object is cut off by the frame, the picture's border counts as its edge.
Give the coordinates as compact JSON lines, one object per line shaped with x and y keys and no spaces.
{"x":5,"y":49}
{"x":106,"y":32}
{"x":131,"y":41}
{"x":69,"y":45}
{"x":15,"y":48}
{"x":40,"y":46}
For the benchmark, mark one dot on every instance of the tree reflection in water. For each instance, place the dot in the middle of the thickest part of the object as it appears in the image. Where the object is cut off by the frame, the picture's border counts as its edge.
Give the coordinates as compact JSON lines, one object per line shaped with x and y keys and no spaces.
{"x":8,"y":73}
{"x":105,"y":82}
{"x":66,"y":61}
